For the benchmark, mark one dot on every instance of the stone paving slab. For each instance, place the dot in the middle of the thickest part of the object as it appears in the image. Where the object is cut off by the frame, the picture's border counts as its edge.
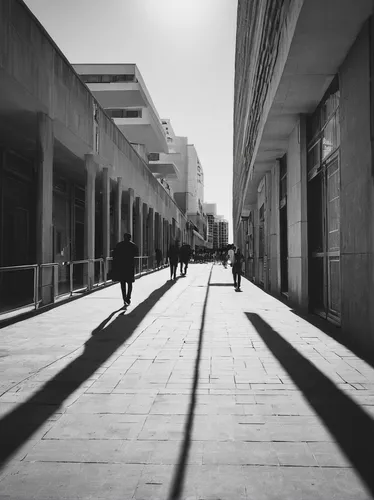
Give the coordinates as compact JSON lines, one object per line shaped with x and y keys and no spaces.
{"x":195,"y":392}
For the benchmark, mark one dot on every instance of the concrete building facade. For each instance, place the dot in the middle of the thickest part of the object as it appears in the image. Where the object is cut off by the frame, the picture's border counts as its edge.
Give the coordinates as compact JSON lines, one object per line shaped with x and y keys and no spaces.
{"x":303,"y":156}
{"x":71,"y":183}
{"x":210,"y":209}
{"x":187,"y":185}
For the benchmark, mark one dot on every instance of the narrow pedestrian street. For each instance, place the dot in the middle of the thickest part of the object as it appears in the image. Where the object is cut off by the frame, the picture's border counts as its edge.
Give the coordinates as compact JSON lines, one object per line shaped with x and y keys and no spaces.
{"x":196,"y":392}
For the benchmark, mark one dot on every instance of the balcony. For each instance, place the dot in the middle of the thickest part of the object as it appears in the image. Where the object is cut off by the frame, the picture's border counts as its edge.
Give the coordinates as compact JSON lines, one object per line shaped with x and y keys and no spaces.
{"x":163,"y":165}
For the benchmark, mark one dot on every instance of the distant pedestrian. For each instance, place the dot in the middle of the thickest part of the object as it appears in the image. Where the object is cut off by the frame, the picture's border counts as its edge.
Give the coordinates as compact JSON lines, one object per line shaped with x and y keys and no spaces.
{"x":231,"y":254}
{"x":184,"y":258}
{"x":158,"y":257}
{"x":237,"y":269}
{"x":173,"y":255}
{"x":124,"y":266}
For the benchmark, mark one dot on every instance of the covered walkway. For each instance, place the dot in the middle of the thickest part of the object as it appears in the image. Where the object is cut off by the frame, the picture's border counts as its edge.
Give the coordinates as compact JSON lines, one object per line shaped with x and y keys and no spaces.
{"x":195,"y":392}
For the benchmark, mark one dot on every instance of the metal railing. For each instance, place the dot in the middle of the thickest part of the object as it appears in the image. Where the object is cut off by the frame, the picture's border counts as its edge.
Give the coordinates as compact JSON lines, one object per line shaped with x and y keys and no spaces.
{"x":35,"y":299}
{"x":67,"y":278}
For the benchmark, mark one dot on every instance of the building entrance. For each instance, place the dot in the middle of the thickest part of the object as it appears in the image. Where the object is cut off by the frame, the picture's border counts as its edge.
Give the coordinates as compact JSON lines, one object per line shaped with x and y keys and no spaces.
{"x":324,"y":208}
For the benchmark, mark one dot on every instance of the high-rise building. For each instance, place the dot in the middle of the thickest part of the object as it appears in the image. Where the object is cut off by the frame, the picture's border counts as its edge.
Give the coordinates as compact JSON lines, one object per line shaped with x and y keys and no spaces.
{"x":223,"y":229}
{"x":188,"y":185}
{"x":210,"y":210}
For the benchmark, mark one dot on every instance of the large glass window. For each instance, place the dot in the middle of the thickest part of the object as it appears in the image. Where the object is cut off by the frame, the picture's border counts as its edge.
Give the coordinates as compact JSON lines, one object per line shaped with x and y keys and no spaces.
{"x":108,"y":78}
{"x":323,"y":130}
{"x":124,"y":113}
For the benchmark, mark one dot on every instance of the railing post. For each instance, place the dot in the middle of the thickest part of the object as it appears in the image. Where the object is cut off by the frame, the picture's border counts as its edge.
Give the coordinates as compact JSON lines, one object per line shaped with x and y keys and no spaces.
{"x":55,"y":277}
{"x":36,"y":287}
{"x":71,"y":278}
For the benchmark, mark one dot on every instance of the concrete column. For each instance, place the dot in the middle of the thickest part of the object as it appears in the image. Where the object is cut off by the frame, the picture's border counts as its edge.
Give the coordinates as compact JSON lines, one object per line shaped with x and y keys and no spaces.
{"x":44,"y":228}
{"x":151,"y":237}
{"x":145,"y":229}
{"x":356,"y":80}
{"x":118,"y":211}
{"x":130,"y":211}
{"x":89,"y":215}
{"x":106,"y":212}
{"x":297,"y":216}
{"x":138,"y":236}
{"x":267,"y":232}
{"x":157,"y":230}
{"x":256,"y":246}
{"x":161,"y":235}
{"x":275,"y":231}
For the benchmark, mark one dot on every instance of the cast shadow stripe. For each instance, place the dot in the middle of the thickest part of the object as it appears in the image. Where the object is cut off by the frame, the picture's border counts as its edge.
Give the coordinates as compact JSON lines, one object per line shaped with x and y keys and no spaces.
{"x":348,"y":423}
{"x":177,"y":484}
{"x":20,"y":424}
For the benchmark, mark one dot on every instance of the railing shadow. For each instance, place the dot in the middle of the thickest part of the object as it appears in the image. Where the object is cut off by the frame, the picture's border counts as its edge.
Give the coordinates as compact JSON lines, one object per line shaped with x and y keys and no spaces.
{"x":350,"y":425}
{"x":222,"y":284}
{"x":177,"y":483}
{"x":20,"y":424}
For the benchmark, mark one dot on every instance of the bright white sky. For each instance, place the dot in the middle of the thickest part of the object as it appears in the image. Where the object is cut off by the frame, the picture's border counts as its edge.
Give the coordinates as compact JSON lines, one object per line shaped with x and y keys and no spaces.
{"x":184,"y":50}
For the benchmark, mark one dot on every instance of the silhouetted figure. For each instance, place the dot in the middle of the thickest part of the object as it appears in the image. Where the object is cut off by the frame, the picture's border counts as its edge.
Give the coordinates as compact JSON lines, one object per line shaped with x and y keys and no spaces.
{"x":173,"y":255}
{"x":237,"y":269}
{"x":124,"y":266}
{"x":158,"y":257}
{"x":184,"y":258}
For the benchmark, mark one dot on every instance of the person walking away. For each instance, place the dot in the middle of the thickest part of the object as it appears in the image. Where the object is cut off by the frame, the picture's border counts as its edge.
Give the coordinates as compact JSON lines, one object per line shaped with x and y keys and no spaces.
{"x":231,"y":254}
{"x":184,"y":258}
{"x":158,"y":257}
{"x":173,"y":255}
{"x":124,"y":266}
{"x":237,"y":269}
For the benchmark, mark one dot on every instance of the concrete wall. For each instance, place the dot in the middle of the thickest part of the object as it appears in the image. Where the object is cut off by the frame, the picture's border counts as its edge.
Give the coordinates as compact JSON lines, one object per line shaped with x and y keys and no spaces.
{"x":37,"y":76}
{"x":264,"y":32}
{"x":297,"y":216}
{"x":357,"y":194}
{"x":274,"y":232}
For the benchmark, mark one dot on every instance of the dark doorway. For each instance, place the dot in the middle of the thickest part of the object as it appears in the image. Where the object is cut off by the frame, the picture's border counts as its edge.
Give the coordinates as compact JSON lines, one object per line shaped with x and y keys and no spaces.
{"x":18,"y":243}
{"x":324,"y":207}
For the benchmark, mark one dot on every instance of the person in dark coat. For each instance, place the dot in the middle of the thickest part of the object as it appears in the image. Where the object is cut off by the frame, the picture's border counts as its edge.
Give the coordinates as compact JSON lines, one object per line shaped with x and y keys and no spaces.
{"x":184,"y":258}
{"x":237,"y":269}
{"x":124,"y":266}
{"x":173,"y":255}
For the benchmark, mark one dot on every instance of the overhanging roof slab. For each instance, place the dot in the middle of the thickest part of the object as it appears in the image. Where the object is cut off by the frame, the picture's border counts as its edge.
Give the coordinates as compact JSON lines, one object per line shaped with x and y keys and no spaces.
{"x":325,"y":31}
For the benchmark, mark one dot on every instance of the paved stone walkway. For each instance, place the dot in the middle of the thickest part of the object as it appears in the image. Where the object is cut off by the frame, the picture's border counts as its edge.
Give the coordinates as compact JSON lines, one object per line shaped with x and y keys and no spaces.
{"x":196,"y":392}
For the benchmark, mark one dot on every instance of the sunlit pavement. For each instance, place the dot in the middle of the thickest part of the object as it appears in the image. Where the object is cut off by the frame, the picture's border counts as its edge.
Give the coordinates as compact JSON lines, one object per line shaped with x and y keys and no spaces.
{"x":195,"y":392}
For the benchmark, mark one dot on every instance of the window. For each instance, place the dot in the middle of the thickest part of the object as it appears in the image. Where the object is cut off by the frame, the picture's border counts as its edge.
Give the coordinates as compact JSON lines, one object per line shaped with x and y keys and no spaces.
{"x":324,"y":130}
{"x":108,"y":78}
{"x":124,"y":113}
{"x":283,"y":181}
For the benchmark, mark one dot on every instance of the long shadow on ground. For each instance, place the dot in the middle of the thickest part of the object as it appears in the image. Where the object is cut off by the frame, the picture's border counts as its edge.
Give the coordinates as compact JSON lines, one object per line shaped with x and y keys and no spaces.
{"x":177,"y":484}
{"x":350,"y":425}
{"x":21,"y":423}
{"x":336,"y":333}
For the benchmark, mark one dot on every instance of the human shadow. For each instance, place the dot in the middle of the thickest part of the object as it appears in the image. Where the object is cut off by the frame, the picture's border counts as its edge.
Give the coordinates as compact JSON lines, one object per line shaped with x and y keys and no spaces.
{"x":103,"y":324}
{"x":222,"y":284}
{"x":350,"y":425}
{"x":177,"y":483}
{"x":20,"y":424}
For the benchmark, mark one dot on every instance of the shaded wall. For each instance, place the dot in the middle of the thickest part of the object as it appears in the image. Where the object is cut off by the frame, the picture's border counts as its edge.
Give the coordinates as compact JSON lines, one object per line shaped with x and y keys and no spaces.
{"x":357,"y":194}
{"x":297,"y":216}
